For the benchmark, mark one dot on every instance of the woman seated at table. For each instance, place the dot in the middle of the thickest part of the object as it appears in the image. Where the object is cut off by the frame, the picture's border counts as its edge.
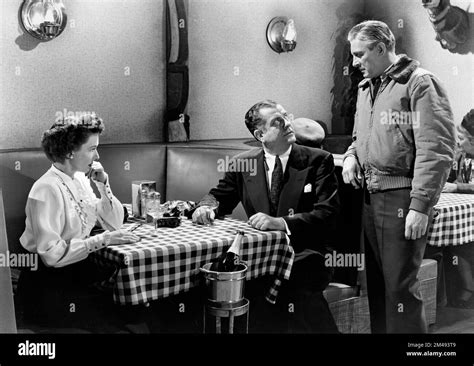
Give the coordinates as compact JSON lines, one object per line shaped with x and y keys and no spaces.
{"x":61,"y":212}
{"x":459,"y":182}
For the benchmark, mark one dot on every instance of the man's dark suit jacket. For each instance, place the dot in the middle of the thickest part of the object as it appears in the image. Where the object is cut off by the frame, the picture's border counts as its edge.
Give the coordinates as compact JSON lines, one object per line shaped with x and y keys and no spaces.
{"x":309,"y":191}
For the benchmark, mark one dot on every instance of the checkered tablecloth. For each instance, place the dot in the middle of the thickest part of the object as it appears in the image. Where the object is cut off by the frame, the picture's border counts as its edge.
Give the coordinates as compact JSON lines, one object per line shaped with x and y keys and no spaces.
{"x":166,"y":261}
{"x":453,"y":220}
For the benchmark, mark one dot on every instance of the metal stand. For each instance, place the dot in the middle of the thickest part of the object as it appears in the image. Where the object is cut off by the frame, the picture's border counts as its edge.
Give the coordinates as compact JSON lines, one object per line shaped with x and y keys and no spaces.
{"x":226,"y":310}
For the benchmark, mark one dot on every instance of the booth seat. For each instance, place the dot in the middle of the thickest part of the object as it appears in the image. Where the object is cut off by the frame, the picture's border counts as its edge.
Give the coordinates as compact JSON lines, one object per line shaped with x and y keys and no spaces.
{"x":192,"y":171}
{"x":186,"y":171}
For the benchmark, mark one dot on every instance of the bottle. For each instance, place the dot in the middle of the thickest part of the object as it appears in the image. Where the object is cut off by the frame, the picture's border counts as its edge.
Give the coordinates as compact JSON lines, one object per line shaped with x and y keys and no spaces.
{"x":230,"y":260}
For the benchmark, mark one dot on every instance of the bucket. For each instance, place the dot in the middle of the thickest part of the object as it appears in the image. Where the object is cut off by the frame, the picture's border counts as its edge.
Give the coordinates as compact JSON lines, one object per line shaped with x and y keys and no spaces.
{"x":225,"y":287}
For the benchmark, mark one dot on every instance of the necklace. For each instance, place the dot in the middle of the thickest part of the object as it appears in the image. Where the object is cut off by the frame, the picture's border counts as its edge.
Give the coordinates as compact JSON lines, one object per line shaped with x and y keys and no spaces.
{"x":77,"y":206}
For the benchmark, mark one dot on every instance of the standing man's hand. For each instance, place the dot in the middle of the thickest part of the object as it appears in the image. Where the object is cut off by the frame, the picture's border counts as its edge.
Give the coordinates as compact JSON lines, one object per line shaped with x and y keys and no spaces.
{"x":416,"y":224}
{"x":351,"y":172}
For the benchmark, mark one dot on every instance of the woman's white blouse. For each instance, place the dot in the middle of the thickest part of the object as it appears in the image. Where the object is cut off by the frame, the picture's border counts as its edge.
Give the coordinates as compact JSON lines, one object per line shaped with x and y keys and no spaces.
{"x":60,"y":214}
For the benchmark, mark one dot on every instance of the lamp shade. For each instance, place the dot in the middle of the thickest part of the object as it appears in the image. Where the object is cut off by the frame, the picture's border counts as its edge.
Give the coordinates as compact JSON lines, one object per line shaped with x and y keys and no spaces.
{"x":43,"y":19}
{"x":281,"y":34}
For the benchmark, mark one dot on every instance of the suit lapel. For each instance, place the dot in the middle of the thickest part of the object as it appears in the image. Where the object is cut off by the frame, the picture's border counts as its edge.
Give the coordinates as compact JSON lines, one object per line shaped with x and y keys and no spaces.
{"x":257,"y":186}
{"x":295,"y":178}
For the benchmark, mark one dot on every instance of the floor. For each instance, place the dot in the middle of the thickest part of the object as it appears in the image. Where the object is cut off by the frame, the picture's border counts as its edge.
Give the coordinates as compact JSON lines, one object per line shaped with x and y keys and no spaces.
{"x":453,"y":321}
{"x":449,"y":320}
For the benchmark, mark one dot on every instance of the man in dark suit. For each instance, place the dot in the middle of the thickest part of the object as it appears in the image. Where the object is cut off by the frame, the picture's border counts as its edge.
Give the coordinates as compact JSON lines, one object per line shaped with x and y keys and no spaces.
{"x":292,"y":189}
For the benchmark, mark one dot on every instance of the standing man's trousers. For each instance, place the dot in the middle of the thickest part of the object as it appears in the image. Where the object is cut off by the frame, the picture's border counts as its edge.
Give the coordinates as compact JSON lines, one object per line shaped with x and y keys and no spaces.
{"x":393,"y":262}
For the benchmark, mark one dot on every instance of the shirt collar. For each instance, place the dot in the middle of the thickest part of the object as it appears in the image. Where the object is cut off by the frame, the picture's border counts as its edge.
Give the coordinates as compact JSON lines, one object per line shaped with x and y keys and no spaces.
{"x":63,"y":175}
{"x":285,"y":155}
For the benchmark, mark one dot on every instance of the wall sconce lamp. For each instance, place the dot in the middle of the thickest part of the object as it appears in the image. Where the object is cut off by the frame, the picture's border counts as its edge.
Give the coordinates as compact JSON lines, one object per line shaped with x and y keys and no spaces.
{"x":281,"y":34}
{"x":43,"y":19}
{"x":450,"y":23}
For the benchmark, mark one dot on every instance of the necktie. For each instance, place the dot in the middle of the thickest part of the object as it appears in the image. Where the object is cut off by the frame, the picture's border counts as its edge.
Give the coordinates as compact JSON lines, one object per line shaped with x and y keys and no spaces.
{"x":277,"y":184}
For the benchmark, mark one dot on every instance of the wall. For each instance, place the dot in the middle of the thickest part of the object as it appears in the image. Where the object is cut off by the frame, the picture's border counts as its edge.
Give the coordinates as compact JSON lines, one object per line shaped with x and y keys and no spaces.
{"x":232,"y":67}
{"x":110,"y":59}
{"x":416,"y":37}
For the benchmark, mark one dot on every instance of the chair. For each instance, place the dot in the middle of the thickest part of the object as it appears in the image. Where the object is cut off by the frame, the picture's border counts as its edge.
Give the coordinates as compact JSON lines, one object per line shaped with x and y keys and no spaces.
{"x":349,"y":306}
{"x":428,"y":277}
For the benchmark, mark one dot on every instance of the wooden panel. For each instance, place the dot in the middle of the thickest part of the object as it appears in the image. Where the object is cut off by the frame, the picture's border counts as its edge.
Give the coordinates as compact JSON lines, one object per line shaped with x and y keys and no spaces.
{"x":7,"y":309}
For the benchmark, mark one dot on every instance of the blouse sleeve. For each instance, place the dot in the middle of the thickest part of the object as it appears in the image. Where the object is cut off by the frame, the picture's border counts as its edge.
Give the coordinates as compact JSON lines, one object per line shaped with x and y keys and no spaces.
{"x":109,"y":209}
{"x":46,"y":211}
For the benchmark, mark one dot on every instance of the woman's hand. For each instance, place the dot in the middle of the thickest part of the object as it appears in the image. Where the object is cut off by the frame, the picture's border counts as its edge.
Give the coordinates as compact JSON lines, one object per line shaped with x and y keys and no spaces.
{"x":97,"y":172}
{"x":122,"y":237}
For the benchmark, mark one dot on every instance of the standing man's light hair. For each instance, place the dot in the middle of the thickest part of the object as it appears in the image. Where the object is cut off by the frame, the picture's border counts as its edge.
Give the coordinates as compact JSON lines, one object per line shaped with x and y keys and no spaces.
{"x":373,"y":31}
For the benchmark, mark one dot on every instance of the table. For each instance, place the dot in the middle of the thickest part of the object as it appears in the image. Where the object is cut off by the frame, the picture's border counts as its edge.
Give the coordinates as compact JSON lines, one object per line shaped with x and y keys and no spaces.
{"x":166,"y":261}
{"x":453,"y":220}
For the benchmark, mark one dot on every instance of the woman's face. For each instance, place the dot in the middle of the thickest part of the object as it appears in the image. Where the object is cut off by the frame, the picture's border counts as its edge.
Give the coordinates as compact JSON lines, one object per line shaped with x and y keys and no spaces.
{"x":86,"y":154}
{"x":466,"y":141}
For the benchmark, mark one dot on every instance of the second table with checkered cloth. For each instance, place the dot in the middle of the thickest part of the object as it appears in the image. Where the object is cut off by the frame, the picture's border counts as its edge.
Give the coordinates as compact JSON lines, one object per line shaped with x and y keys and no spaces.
{"x":166,"y":261}
{"x":453,"y":220}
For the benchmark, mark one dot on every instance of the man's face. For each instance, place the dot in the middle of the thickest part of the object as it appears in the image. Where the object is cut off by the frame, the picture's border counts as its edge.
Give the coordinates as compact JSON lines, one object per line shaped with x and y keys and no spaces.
{"x":276,"y":130}
{"x":369,"y":61}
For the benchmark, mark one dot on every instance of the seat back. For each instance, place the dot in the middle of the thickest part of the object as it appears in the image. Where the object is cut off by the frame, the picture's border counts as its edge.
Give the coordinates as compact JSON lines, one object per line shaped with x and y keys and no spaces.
{"x":7,"y":308}
{"x":125,"y":163}
{"x":19,"y":169}
{"x":193,"y":171}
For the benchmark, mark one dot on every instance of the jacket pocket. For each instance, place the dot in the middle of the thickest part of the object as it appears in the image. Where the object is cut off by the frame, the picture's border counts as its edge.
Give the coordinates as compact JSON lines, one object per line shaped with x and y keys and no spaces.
{"x":394,"y":144}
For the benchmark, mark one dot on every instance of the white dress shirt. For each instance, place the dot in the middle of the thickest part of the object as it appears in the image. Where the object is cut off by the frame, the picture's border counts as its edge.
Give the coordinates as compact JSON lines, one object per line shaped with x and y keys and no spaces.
{"x":60,"y":214}
{"x":270,"y":165}
{"x":270,"y":161}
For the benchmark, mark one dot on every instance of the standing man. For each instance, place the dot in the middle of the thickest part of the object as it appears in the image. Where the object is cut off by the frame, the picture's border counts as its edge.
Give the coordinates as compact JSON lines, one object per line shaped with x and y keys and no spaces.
{"x":402,"y":151}
{"x":294,"y":190}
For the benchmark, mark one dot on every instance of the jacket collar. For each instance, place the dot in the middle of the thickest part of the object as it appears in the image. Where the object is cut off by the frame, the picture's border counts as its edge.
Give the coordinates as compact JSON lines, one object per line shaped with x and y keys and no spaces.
{"x":400,"y":72}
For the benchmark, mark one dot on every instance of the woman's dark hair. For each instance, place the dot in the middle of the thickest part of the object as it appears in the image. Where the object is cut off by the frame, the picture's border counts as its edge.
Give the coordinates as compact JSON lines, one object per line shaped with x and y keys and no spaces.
{"x":69,"y":134}
{"x":468,"y":122}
